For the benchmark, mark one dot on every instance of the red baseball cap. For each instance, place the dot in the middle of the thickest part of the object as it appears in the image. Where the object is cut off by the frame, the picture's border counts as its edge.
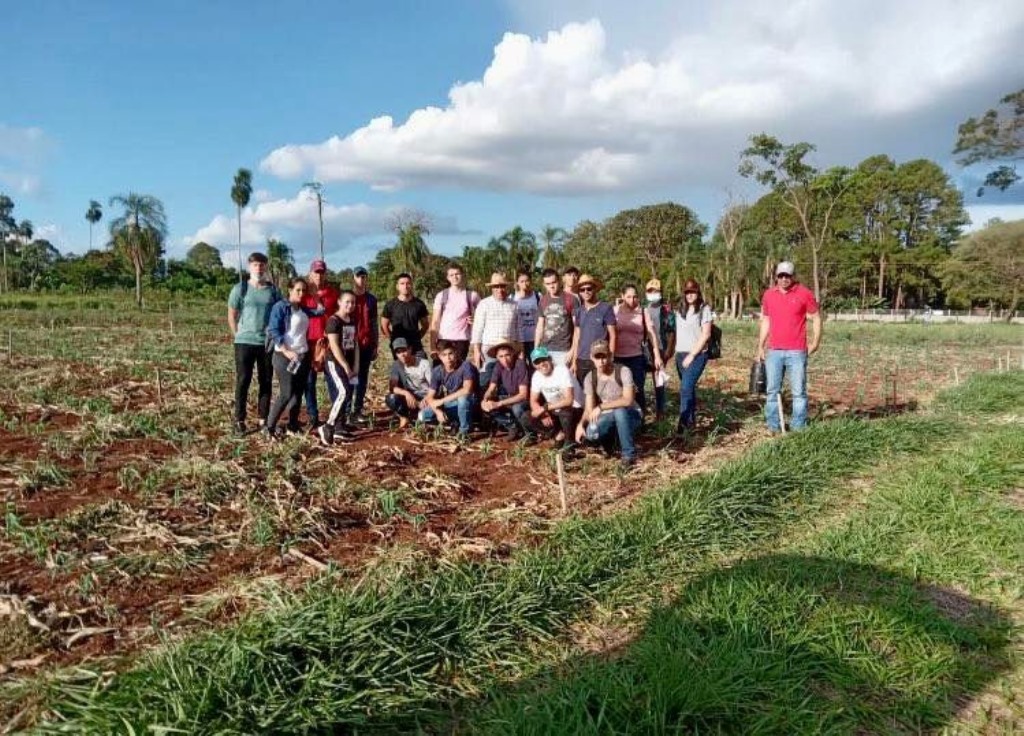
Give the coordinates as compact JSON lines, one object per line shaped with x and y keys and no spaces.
{"x":317,"y":266}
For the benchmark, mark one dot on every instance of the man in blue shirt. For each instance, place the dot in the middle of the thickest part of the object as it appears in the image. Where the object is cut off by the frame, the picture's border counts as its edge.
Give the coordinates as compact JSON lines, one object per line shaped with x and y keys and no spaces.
{"x":596,"y":320}
{"x":452,"y":394}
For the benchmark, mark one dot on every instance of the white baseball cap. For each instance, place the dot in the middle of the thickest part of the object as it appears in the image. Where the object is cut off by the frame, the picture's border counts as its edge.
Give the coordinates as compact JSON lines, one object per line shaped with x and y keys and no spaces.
{"x":785,"y":267}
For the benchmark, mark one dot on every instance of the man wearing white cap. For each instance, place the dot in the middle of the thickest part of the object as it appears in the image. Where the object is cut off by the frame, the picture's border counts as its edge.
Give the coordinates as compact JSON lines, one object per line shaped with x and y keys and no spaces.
{"x":782,"y":343}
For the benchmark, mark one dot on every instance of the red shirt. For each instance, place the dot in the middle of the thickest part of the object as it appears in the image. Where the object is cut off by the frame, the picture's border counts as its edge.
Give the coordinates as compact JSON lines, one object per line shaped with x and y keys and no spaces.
{"x":329,"y":296}
{"x":787,"y":316}
{"x":366,"y":307}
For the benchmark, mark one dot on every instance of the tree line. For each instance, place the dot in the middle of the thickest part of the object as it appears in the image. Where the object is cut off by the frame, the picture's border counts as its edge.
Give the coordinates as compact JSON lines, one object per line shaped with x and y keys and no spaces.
{"x":879,"y":234}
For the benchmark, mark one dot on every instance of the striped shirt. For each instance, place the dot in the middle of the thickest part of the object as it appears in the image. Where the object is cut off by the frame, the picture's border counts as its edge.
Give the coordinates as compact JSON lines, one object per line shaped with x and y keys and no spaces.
{"x":494,"y":322}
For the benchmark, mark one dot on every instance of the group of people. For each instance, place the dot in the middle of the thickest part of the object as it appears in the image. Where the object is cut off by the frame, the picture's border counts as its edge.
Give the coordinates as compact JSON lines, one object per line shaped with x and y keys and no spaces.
{"x":557,"y":364}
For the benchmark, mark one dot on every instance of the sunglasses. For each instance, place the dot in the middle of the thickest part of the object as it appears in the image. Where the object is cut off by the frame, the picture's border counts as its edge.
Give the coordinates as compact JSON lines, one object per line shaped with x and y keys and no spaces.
{"x":600,"y":356}
{"x":784,"y":276}
{"x":586,"y":288}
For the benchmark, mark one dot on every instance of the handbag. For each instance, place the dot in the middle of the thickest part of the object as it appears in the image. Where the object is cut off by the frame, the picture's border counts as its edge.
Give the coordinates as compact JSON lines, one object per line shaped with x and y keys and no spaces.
{"x":758,"y":378}
{"x":320,"y":348}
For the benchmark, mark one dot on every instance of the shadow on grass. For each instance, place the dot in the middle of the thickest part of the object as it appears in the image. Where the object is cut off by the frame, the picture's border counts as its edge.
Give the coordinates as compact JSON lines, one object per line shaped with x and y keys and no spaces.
{"x":779,"y":644}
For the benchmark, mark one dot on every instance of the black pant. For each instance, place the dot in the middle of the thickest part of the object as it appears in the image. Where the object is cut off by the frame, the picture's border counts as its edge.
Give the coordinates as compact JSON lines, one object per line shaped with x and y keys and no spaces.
{"x":365,"y":363}
{"x":565,"y":419}
{"x":583,"y":367}
{"x":247,"y":357}
{"x":291,"y":387}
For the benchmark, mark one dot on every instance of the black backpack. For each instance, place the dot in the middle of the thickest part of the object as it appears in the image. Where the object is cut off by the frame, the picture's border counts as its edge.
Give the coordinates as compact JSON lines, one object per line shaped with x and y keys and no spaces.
{"x":715,"y":342}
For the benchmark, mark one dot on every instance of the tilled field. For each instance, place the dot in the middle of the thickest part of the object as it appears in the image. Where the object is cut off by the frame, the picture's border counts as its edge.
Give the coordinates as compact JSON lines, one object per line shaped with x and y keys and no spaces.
{"x":132,"y":515}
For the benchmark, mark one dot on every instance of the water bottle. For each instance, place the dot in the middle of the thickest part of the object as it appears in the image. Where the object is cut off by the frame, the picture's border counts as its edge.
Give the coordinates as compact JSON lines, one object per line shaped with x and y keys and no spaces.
{"x":293,"y":365}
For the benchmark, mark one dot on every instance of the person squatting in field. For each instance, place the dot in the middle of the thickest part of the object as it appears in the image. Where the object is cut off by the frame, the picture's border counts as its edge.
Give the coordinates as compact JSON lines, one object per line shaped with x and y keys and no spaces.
{"x":451,"y":399}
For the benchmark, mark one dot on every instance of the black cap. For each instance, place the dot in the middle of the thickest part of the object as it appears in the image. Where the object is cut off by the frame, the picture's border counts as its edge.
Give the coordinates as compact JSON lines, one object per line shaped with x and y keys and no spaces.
{"x":361,"y":271}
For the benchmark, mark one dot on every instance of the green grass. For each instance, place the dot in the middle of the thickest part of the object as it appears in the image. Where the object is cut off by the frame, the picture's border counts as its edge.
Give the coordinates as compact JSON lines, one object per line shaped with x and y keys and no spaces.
{"x":395,"y":650}
{"x":861,"y":628}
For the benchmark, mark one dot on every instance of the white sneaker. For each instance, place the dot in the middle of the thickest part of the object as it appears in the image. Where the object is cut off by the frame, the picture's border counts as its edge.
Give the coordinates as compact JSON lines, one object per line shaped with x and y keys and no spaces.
{"x":322,"y":433}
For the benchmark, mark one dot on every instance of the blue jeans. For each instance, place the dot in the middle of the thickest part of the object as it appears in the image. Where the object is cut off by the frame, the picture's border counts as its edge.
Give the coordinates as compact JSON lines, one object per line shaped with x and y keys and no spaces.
{"x":461,"y":411}
{"x":511,"y":416}
{"x":312,"y":407}
{"x":637,"y":365}
{"x":793,"y":363}
{"x":624,"y":422}
{"x":396,"y":403}
{"x":688,"y":378}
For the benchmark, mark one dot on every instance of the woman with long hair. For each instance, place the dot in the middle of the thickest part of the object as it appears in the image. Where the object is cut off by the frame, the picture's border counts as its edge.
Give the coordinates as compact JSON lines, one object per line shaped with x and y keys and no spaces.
{"x":693,"y":330}
{"x":634,"y":330}
{"x":289,"y":322}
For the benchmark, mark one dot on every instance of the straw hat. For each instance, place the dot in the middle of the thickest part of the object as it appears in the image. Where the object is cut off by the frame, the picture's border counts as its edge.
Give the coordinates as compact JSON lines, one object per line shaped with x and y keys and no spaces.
{"x":587,"y":279}
{"x":497,"y":279}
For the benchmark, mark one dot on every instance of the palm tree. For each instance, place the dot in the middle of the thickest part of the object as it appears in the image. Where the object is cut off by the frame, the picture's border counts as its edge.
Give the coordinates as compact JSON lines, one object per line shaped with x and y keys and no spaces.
{"x":94,"y":214}
{"x":241,"y":191}
{"x":280,"y":262}
{"x":7,"y":226}
{"x":318,"y":191}
{"x":553,"y":239}
{"x":522,"y":250}
{"x":139,"y":233}
{"x":411,"y":250}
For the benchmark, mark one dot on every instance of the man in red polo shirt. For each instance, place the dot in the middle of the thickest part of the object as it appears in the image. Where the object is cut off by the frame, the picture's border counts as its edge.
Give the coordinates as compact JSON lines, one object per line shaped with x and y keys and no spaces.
{"x":782,"y":343}
{"x":367,"y":335}
{"x":318,"y":289}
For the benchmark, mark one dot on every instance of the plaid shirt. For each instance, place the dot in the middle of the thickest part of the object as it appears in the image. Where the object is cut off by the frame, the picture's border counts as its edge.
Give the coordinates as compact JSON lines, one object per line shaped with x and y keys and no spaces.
{"x":494,"y":322}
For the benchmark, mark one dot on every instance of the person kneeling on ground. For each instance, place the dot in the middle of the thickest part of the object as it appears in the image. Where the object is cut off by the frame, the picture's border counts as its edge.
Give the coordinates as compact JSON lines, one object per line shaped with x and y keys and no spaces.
{"x":555,"y":399}
{"x":611,"y":410}
{"x":507,"y":398}
{"x":452,"y":394}
{"x":409,"y":382}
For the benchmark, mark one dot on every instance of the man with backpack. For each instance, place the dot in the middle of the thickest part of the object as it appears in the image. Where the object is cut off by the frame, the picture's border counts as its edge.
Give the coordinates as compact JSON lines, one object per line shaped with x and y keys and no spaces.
{"x":249,"y":306}
{"x":610,"y":411}
{"x":597,"y":322}
{"x":557,"y":330}
{"x":661,"y":317}
{"x":452,"y":319}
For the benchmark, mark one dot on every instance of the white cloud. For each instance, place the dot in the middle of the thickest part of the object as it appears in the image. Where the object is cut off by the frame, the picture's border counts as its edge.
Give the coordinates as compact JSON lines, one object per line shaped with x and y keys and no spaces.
{"x":563,"y":114}
{"x":22,"y":153}
{"x":294,"y":221}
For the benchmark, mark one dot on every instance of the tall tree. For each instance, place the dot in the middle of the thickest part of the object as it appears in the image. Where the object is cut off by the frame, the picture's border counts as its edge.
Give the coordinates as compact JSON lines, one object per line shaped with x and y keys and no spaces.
{"x":93,"y":215}
{"x":552,"y":239}
{"x":987,"y":267}
{"x":241,"y":192}
{"x":811,"y":194}
{"x":521,"y":247}
{"x":655,"y":240}
{"x":138,"y":234}
{"x":317,"y":189}
{"x":204,"y":257}
{"x":410,"y":251}
{"x":7,"y":227}
{"x":280,"y":262}
{"x":996,"y":136}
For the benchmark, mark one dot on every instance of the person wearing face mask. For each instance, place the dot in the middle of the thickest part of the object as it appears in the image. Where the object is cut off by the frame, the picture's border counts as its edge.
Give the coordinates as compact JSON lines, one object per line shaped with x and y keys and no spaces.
{"x":662,"y":319}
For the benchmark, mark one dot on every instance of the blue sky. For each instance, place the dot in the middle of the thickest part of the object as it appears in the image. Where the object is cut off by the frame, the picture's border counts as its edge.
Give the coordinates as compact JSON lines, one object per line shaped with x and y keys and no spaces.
{"x":582,"y":109}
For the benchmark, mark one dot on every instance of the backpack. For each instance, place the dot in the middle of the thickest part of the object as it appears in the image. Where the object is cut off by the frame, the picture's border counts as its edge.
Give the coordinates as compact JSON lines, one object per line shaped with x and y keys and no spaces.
{"x":714,"y":346}
{"x":472,"y":300}
{"x":568,"y":302}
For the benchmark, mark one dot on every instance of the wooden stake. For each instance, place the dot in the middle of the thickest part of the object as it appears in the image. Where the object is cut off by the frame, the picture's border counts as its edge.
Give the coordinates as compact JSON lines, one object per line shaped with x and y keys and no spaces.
{"x":159,"y":389}
{"x":895,"y":378}
{"x":10,"y":345}
{"x":560,"y":466}
{"x":782,"y":413}
{"x":956,"y":375}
